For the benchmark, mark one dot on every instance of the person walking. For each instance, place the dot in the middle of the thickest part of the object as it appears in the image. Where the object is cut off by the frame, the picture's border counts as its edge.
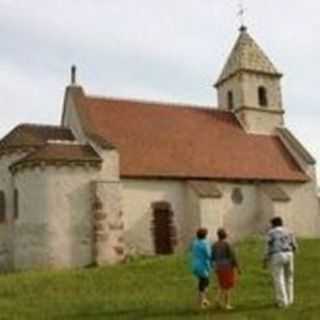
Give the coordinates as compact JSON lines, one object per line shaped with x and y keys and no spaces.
{"x":281,"y":245}
{"x":201,"y":264}
{"x":226,"y":266}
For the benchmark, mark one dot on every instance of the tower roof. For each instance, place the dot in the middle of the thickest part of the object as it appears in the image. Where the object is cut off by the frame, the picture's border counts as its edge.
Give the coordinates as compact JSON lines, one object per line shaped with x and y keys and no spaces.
{"x":246,"y":55}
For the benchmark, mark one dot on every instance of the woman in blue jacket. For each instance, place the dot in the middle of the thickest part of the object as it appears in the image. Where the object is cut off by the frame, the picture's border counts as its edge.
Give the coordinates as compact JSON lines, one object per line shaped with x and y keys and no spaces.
{"x":201,"y":264}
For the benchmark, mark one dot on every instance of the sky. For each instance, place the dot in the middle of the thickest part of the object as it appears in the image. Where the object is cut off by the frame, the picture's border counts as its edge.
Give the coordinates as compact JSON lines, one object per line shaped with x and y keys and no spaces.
{"x":163,"y":50}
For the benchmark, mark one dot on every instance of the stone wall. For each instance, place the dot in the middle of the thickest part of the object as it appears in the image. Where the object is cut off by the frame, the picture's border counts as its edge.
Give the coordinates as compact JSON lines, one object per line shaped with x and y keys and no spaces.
{"x":233,"y":84}
{"x":253,"y":117}
{"x":259,"y":121}
{"x":245,"y":91}
{"x":108,"y":225}
{"x":252,"y":81}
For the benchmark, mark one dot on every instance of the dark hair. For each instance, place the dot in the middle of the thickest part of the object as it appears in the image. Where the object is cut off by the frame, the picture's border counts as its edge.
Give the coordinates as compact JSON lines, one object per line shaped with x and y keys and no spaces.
{"x":221,"y":234}
{"x":276,"y":222}
{"x":202,"y":233}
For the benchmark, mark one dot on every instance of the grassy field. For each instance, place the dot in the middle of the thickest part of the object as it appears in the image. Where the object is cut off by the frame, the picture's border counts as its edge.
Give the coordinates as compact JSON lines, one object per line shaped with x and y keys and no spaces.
{"x":157,"y":288}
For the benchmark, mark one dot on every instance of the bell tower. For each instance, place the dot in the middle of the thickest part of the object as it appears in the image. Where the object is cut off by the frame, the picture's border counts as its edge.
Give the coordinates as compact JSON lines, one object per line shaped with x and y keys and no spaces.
{"x":249,"y":86}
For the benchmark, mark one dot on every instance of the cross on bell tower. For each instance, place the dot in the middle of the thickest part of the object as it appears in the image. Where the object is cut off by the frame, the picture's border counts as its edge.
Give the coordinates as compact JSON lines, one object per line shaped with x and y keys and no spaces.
{"x":241,"y":15}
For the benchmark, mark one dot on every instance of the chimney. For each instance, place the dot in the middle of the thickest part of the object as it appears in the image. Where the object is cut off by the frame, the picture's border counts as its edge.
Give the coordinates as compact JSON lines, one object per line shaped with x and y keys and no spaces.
{"x":73,"y":75}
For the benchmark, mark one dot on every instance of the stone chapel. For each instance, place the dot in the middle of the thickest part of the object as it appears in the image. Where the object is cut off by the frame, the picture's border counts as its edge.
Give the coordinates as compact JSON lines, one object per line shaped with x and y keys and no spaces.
{"x":126,"y":176}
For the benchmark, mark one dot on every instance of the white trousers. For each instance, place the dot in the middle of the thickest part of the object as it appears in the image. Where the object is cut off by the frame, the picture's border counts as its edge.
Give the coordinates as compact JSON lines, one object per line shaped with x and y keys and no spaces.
{"x":282,"y":270}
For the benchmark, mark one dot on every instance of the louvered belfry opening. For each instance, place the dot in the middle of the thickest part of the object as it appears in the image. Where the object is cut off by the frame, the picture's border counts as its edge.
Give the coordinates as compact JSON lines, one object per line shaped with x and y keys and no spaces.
{"x":163,"y":229}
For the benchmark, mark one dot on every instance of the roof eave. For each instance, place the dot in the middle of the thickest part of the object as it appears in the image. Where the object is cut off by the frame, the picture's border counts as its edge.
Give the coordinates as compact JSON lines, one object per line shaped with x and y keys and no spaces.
{"x":221,"y":80}
{"x":302,"y":179}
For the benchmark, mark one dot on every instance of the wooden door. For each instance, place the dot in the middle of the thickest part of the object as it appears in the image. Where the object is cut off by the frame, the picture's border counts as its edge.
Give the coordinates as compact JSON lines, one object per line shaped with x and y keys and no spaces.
{"x":163,"y":229}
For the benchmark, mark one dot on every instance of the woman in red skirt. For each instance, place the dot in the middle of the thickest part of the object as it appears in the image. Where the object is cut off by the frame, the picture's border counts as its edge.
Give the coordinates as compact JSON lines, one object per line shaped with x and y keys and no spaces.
{"x":226,"y":266}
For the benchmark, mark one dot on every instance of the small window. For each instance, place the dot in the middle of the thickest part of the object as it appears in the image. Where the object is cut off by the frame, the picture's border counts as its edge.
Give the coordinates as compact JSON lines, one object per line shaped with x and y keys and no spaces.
{"x":230,"y":100}
{"x":237,"y":196}
{"x":262,"y":96}
{"x":16,"y":203}
{"x":2,"y":207}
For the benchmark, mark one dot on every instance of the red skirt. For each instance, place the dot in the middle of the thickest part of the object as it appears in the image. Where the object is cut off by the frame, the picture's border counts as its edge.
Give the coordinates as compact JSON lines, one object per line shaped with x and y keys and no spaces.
{"x":226,"y":277}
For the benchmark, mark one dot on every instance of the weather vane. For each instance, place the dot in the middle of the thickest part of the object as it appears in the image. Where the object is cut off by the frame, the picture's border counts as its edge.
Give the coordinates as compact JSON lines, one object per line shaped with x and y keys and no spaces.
{"x":241,"y":14}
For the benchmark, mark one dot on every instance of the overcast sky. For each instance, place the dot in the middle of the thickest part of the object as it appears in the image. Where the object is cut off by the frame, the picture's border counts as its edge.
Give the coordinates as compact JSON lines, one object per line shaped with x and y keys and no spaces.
{"x":167,"y":50}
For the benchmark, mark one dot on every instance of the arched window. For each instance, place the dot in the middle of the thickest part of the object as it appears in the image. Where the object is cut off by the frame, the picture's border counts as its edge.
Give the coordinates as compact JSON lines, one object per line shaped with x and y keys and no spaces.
{"x":262,"y":96}
{"x":2,"y":207}
{"x":230,"y":100}
{"x":16,"y":203}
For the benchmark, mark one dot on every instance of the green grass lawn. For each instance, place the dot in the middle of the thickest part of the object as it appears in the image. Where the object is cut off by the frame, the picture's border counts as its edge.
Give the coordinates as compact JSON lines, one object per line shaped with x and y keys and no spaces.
{"x":157,"y":288}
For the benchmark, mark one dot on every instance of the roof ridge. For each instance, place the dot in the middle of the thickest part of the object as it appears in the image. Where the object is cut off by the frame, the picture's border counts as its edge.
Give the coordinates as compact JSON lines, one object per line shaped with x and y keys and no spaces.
{"x":156,"y":102}
{"x":64,"y":142}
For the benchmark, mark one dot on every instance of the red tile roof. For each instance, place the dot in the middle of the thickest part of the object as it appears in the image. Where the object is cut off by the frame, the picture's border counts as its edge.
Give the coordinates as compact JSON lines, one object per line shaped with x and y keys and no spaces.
{"x":163,"y":140}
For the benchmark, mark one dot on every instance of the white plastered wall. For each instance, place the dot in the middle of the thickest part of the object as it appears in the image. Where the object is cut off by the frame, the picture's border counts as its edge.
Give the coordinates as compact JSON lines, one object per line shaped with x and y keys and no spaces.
{"x":192,"y":218}
{"x":301,"y":213}
{"x":55,"y":222}
{"x":252,"y":216}
{"x":211,"y":215}
{"x":266,"y":210}
{"x":190,"y":211}
{"x":71,"y":120}
{"x":110,"y":167}
{"x":138,"y":196}
{"x":239,"y":219}
{"x":304,"y":208}
{"x":6,"y":228}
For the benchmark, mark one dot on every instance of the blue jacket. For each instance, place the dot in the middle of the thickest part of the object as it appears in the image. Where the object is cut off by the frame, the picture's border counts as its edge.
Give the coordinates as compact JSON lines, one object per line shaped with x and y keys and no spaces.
{"x":201,"y":258}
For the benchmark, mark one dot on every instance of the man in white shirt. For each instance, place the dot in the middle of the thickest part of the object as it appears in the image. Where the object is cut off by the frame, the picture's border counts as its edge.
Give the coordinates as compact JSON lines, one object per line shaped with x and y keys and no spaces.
{"x":281,"y":246}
